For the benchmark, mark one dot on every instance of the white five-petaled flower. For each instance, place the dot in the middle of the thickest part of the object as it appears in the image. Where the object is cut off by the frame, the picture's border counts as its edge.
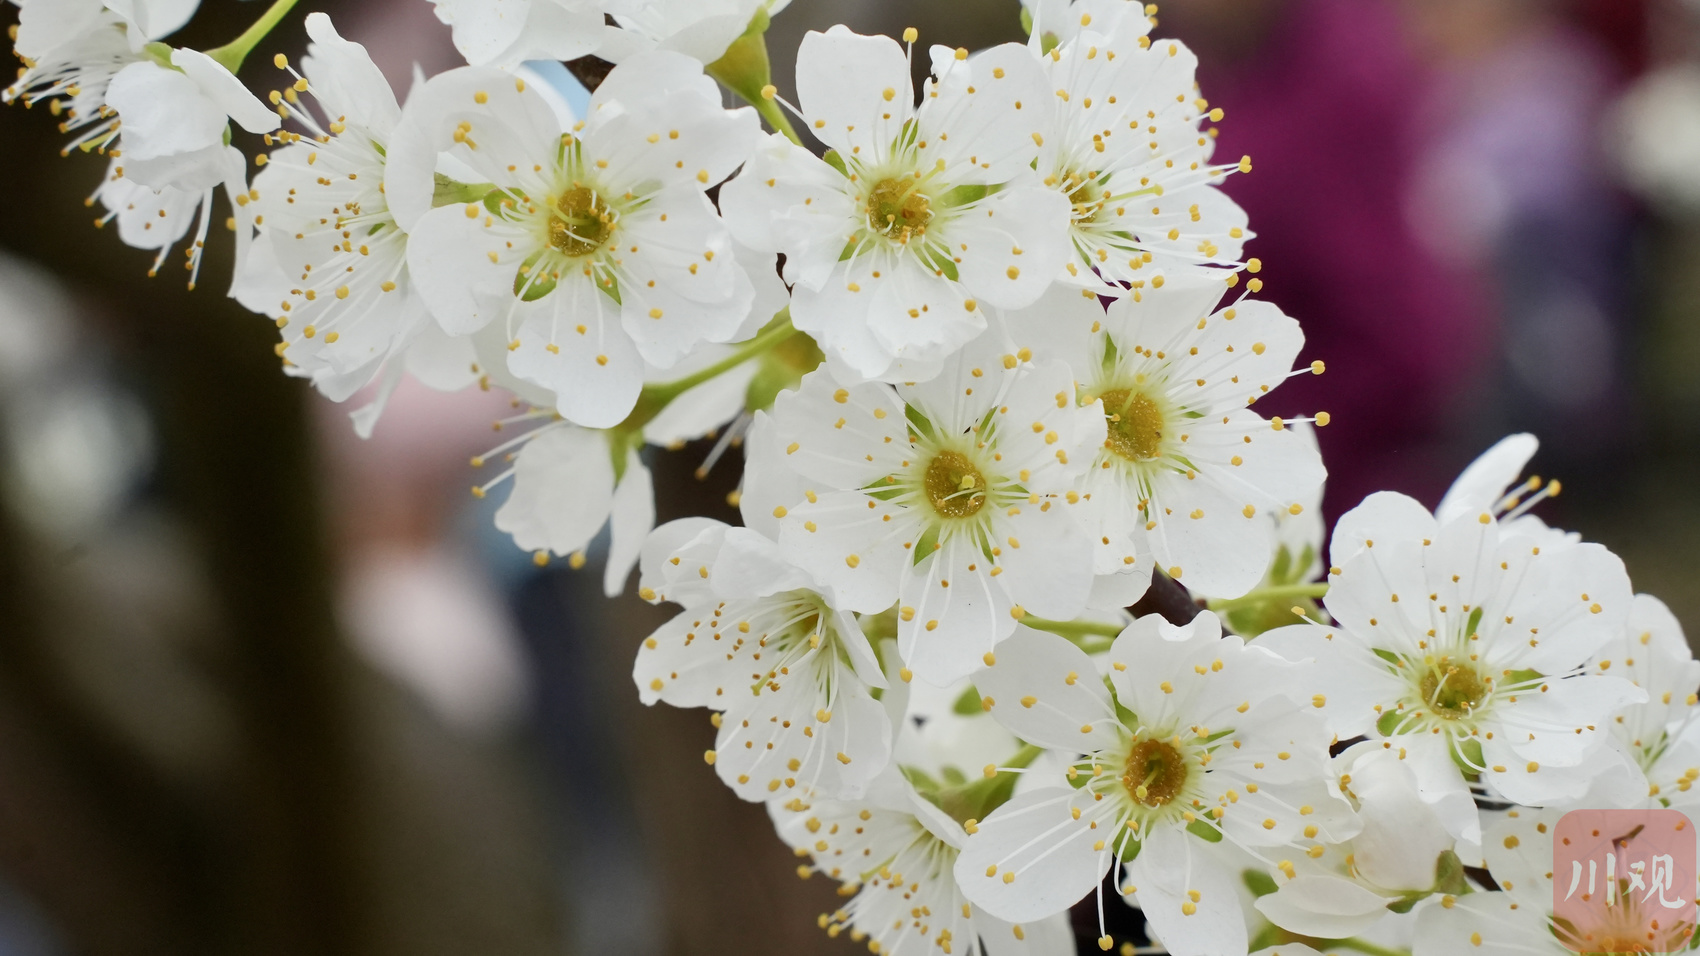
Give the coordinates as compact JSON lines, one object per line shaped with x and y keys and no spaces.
{"x":952,"y":498}
{"x":1662,"y":735}
{"x":1341,"y":890}
{"x":158,"y":219}
{"x":506,"y":33}
{"x":1193,"y":737}
{"x":763,"y":643}
{"x":569,"y":481}
{"x":173,"y":120}
{"x":895,"y":852}
{"x":73,"y":48}
{"x":347,"y":303}
{"x":1126,"y":147}
{"x":1053,"y":22}
{"x":1187,"y":471}
{"x":922,"y":215}
{"x":1465,"y":642}
{"x":597,"y":250}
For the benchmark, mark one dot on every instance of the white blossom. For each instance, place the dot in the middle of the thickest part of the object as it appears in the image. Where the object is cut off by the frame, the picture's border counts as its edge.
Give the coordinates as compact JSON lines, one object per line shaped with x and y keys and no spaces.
{"x":1464,"y":643}
{"x":568,"y":482}
{"x":894,"y":852}
{"x":1126,"y":147}
{"x":765,"y":644}
{"x":1339,"y":890}
{"x":345,"y":302}
{"x":892,"y":246}
{"x":1193,"y":737}
{"x":1661,"y":735}
{"x":594,"y":251}
{"x":173,"y":121}
{"x":951,"y":498}
{"x":72,"y":49}
{"x":1187,"y":473}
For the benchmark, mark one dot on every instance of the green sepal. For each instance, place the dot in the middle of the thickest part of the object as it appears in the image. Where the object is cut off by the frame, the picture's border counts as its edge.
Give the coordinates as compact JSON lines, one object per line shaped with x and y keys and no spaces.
{"x":968,"y":704}
{"x":1475,"y":619}
{"x":1468,"y":757}
{"x":527,"y":290}
{"x":449,"y":192}
{"x":1259,"y":882}
{"x":1388,"y":722}
{"x":963,"y":800}
{"x":831,"y":158}
{"x":1449,"y":876}
{"x":1405,"y":904}
{"x":160,"y":53}
{"x":1523,"y":675}
{"x":1204,"y":831}
{"x":744,"y":68}
{"x":781,"y":369}
{"x":963,"y":195}
{"x":925,"y":545}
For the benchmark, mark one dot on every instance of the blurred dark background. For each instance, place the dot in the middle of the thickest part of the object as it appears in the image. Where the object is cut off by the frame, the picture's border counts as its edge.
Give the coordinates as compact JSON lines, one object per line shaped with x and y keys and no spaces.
{"x":268,"y":689}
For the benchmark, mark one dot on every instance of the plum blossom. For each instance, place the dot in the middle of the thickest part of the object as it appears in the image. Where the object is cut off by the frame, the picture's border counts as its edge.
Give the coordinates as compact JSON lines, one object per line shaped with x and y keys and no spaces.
{"x":700,"y":29}
{"x":345,"y":302}
{"x":1187,"y":472}
{"x":1126,"y":148}
{"x":72,"y":50}
{"x":569,"y":482}
{"x":765,"y":644}
{"x":1463,"y":644}
{"x":1402,"y":853}
{"x":595,"y":251}
{"x":952,"y":498}
{"x":895,"y":240}
{"x":1661,"y":735}
{"x":894,"y":851}
{"x":1192,"y":737}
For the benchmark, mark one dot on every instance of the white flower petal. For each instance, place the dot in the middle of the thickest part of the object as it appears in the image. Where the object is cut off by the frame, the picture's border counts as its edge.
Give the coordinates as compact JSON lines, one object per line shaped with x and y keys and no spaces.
{"x":956,"y":612}
{"x":1485,"y":481}
{"x":1046,"y":691}
{"x":464,"y":264}
{"x":221,"y":87}
{"x":563,"y":491}
{"x":570,"y":342}
{"x":629,"y":522}
{"x":1324,"y":907}
{"x":854,"y":548}
{"x":1036,"y":837}
{"x":1047,"y":560}
{"x":1013,"y":243}
{"x":346,"y":80}
{"x":1172,"y":866}
{"x":843,"y":79}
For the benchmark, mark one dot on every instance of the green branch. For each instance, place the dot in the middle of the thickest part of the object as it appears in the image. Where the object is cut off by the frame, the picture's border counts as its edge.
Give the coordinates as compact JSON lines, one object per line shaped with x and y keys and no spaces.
{"x":231,"y":55}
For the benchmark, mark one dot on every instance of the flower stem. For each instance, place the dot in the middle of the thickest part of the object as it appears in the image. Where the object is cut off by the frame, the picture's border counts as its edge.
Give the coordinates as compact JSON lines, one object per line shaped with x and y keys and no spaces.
{"x":776,"y":118}
{"x":778,"y":330}
{"x":231,"y":55}
{"x":1076,"y":631}
{"x":1279,"y":593}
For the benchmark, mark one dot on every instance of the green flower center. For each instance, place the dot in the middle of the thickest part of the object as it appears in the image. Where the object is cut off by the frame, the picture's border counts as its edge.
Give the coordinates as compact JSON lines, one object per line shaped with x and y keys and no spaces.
{"x":1088,"y":198}
{"x":582,"y":224}
{"x":956,"y":488}
{"x":1156,"y":772}
{"x":1134,"y":425}
{"x":897,"y":210}
{"x":1453,"y":692}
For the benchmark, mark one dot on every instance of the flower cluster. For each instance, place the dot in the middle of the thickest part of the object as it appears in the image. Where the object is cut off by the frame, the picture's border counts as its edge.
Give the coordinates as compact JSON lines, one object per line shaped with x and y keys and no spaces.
{"x":991,"y":353}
